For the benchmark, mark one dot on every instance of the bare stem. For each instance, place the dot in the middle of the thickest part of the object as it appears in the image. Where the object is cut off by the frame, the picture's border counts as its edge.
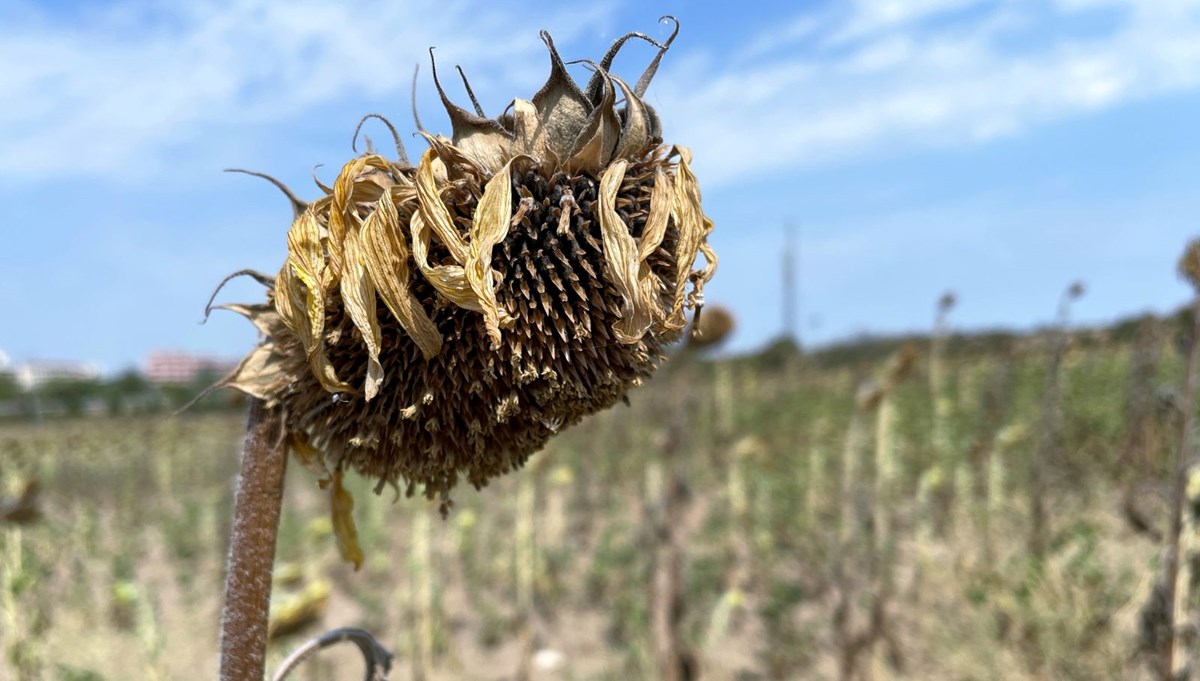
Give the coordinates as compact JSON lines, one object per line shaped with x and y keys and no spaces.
{"x":256,"y":511}
{"x":1172,"y":656}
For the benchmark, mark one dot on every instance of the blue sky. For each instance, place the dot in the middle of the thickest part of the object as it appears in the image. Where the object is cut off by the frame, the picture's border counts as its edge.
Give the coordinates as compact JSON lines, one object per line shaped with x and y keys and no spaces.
{"x":1001,"y":149}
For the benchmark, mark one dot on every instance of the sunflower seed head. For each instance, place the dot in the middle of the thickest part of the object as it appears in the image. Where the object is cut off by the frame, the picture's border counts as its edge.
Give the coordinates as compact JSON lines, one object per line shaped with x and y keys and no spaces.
{"x":442,"y":321}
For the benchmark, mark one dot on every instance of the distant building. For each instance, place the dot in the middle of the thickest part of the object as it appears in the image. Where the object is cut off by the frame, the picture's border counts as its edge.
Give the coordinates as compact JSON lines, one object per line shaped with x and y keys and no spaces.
{"x":182,"y":367}
{"x":34,"y":373}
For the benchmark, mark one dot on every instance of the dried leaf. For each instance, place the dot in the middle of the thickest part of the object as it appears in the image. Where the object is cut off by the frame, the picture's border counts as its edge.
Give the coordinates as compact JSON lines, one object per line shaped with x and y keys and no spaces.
{"x":386,"y":256}
{"x":562,"y":108}
{"x":264,"y":317}
{"x":529,"y":133}
{"x":489,"y":226}
{"x":483,"y":139}
{"x":260,"y":374}
{"x":342,"y":507}
{"x":596,"y":141}
{"x":358,"y":295}
{"x":434,"y":212}
{"x":635,"y":134}
{"x":621,"y":259}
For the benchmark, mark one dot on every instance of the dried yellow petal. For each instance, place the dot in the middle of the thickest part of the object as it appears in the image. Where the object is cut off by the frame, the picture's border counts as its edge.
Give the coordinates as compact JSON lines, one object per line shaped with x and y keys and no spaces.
{"x":489,"y":226}
{"x":386,"y":255}
{"x":342,"y":508}
{"x":357,"y":183}
{"x":306,"y":257}
{"x":449,"y":280}
{"x":621,"y":259}
{"x":693,"y":226}
{"x":434,"y":212}
{"x":358,"y":294}
{"x":289,"y":292}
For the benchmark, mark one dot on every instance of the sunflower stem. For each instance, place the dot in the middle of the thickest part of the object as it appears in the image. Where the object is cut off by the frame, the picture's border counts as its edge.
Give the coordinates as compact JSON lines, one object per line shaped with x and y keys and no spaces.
{"x":256,"y":510}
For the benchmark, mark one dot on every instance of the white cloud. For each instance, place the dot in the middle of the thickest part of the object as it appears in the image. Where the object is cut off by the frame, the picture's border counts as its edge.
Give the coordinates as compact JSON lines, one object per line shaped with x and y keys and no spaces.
{"x":896,"y":78}
{"x":110,"y":94}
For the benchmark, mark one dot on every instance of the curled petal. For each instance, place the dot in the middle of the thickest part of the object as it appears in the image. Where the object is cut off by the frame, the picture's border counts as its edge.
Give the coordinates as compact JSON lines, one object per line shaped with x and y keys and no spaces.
{"x":433,"y":211}
{"x":489,"y":226}
{"x":362,"y":180}
{"x":386,"y":255}
{"x":449,"y":280}
{"x":290,"y":300}
{"x":693,"y":225}
{"x":621,"y":260}
{"x":358,"y":295}
{"x":306,"y":260}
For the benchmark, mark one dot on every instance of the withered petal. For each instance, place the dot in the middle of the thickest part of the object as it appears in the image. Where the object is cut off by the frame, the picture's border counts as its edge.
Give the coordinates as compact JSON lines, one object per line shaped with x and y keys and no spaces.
{"x":386,"y":255}
{"x":358,"y":296}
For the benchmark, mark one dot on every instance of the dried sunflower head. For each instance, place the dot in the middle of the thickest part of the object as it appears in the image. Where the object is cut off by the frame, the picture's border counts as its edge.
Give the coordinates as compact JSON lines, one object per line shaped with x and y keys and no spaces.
{"x":442,"y":320}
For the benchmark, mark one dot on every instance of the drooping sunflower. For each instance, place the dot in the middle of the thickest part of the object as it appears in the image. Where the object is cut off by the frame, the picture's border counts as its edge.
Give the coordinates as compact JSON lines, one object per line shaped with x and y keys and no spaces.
{"x":442,"y":320}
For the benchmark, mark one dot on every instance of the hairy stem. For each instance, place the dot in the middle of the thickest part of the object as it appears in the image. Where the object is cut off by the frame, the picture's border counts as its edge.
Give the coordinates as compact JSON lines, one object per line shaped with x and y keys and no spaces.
{"x":256,"y":511}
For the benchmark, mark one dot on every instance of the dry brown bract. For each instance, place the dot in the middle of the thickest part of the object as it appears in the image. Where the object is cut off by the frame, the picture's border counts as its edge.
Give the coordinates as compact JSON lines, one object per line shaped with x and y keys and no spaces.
{"x":445,"y":319}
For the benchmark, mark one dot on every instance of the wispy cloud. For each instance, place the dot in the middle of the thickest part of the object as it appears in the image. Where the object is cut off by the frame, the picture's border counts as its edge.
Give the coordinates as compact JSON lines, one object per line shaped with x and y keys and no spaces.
{"x":113,"y":93}
{"x":890,"y":75}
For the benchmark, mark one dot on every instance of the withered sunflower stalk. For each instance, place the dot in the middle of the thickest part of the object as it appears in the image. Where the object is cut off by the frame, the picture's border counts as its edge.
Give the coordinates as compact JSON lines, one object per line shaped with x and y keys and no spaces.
{"x":442,"y":320}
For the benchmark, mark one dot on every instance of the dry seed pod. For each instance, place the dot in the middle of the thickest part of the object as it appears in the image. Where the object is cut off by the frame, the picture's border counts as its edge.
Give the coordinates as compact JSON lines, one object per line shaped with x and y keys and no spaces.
{"x":712,"y":326}
{"x":1189,"y":264}
{"x":443,"y":320}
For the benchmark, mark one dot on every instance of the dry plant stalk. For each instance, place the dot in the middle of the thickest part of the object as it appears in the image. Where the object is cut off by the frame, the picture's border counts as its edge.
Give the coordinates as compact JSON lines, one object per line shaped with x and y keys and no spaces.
{"x":874,"y":398}
{"x":941,"y":475}
{"x":1050,"y":427}
{"x":424,"y":614}
{"x":672,"y":659}
{"x":442,"y":320}
{"x":1174,"y":657}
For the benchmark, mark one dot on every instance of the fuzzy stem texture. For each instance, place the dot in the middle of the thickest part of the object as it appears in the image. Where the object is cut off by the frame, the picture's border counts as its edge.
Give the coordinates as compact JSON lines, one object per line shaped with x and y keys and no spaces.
{"x":256,"y":512}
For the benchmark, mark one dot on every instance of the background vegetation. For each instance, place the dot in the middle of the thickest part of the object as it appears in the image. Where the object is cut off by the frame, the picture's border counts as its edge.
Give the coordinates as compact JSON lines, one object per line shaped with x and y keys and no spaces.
{"x":986,"y":507}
